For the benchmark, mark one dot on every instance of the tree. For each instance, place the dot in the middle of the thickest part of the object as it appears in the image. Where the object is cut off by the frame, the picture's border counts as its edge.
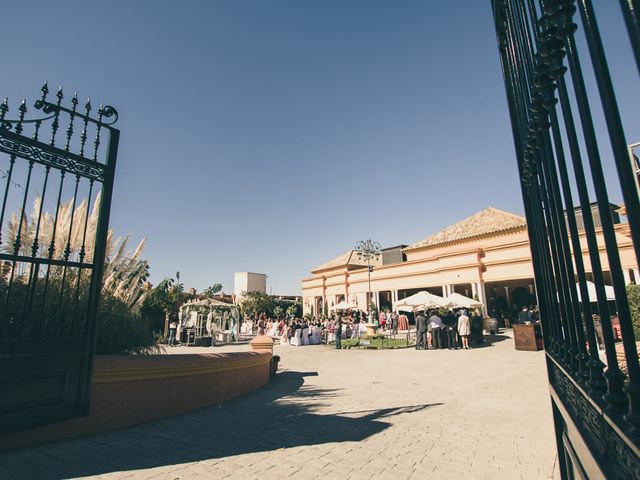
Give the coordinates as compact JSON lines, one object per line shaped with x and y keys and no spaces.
{"x":167,"y":296}
{"x":255,"y":303}
{"x":210,"y":292}
{"x":633,"y":294}
{"x":294,"y":310}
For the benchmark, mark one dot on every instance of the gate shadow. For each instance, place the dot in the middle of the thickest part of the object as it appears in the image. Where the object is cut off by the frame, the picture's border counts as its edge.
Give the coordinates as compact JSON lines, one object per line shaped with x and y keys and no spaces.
{"x":279,"y":415}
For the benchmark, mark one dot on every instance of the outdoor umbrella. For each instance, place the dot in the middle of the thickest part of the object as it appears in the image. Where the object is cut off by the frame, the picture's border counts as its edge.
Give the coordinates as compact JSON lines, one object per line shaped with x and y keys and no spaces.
{"x":591,"y":291}
{"x":456,"y":300}
{"x":345,"y":306}
{"x":420,"y":300}
{"x":403,"y":308}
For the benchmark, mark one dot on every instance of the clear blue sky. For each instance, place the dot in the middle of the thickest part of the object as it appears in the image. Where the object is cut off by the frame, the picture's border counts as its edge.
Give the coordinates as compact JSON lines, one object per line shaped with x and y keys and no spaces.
{"x":270,"y":136}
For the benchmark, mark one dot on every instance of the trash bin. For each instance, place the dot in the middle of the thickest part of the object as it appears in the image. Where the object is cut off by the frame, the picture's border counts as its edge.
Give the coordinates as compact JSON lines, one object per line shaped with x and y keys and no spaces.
{"x":491,"y":325}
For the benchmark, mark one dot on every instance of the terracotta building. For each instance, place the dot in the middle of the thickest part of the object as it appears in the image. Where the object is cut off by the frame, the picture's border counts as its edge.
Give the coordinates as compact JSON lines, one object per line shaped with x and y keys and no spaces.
{"x":485,"y":256}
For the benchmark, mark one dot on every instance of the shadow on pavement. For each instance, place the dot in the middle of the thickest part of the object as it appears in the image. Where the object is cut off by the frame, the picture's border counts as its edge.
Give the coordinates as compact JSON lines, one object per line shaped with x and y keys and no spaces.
{"x":489,"y":340}
{"x":280,"y":415}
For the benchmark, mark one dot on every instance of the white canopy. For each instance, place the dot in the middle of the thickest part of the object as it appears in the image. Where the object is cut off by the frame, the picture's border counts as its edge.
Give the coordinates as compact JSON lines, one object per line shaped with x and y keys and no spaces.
{"x":209,"y":302}
{"x":345,"y":306}
{"x":593,"y":296}
{"x":420,"y":300}
{"x":403,"y":308}
{"x":457,"y":300}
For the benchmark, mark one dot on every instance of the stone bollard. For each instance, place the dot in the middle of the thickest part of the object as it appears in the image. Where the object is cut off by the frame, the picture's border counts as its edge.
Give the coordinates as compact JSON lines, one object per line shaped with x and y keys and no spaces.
{"x":265,"y":343}
{"x":262,"y":342}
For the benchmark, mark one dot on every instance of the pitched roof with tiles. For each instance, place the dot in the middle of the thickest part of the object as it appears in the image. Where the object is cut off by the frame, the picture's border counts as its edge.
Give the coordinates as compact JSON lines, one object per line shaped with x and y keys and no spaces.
{"x":350,"y":257}
{"x":489,"y":220}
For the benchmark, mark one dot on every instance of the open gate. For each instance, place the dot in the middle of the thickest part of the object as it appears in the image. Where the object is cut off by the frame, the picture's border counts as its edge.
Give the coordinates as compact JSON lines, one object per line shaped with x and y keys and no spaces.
{"x":595,"y":392}
{"x":57,"y":170}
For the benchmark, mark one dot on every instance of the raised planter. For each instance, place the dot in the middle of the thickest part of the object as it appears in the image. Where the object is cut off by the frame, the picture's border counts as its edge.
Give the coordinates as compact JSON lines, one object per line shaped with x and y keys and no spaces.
{"x":128,"y":390}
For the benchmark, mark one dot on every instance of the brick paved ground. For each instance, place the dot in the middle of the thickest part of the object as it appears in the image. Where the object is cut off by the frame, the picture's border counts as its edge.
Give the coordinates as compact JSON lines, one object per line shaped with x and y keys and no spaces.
{"x":403,"y":414}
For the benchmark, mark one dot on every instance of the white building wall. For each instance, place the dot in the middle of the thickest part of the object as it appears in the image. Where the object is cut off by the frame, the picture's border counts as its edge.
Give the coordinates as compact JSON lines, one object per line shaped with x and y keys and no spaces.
{"x":249,"y":282}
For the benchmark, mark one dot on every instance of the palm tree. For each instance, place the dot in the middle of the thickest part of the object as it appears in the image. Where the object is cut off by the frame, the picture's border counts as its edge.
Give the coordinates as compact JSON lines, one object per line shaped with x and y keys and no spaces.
{"x":210,"y":292}
{"x":168,"y":295}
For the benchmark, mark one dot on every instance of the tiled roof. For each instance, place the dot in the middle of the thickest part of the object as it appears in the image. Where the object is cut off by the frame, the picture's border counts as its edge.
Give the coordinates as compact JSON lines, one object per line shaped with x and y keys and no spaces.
{"x":348,"y":258}
{"x":489,"y":220}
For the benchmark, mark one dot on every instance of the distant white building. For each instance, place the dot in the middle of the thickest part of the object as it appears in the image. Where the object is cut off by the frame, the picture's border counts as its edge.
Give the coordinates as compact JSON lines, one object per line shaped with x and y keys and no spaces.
{"x":249,"y":282}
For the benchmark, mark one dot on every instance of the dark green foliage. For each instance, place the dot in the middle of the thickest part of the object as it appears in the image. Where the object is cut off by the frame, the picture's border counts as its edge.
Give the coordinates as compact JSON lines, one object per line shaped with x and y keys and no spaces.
{"x":121,"y":331}
{"x":48,"y":307}
{"x":294,"y":310}
{"x":211,"y":291}
{"x":377,"y":342}
{"x":166,"y":297}
{"x":255,"y":303}
{"x":633,"y":293}
{"x":62,"y":313}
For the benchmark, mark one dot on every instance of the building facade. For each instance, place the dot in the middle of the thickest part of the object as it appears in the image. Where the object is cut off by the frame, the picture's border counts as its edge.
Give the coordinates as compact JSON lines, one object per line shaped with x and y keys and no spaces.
{"x":486,"y":256}
{"x":249,"y":282}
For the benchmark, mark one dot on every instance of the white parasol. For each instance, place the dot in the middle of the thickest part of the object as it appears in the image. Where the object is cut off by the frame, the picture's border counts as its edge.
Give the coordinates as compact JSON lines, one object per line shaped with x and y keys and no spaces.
{"x":345,"y":306}
{"x":420,"y":301}
{"x":591,"y":291}
{"x":457,"y":300}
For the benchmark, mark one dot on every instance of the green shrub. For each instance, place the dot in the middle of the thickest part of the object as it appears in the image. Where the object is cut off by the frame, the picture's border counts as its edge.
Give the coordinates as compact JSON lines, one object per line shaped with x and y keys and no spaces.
{"x":121,"y":331}
{"x":350,"y":343}
{"x":633,"y":293}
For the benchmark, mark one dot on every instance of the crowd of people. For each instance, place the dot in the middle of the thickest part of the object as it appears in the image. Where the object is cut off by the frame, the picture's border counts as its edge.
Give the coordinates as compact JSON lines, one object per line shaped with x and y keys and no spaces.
{"x":437,"y":328}
{"x":454,"y":330}
{"x":516,"y":315}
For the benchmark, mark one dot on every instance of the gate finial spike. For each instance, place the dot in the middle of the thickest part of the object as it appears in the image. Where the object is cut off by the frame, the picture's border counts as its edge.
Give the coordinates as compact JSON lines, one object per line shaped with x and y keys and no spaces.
{"x":45,"y":91}
{"x":23,"y":110}
{"x":4,"y":108}
{"x":59,"y":95}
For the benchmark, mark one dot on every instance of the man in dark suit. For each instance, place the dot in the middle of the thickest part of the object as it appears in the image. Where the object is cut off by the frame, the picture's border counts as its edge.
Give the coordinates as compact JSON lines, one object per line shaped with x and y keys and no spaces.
{"x":421,"y":331}
{"x":451,"y":328}
{"x":524,"y":316}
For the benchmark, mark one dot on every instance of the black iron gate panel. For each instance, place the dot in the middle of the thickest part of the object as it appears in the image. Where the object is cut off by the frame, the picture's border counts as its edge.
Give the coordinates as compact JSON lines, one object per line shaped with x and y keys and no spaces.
{"x":594,"y":375}
{"x":57,"y":164}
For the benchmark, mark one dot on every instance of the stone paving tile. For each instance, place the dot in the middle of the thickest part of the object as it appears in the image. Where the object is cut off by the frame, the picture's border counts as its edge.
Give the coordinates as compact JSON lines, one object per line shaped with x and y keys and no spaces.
{"x":389,"y":415}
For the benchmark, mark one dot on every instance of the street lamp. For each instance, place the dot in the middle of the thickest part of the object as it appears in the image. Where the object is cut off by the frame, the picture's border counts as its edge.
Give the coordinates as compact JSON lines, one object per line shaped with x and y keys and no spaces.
{"x":368,"y":250}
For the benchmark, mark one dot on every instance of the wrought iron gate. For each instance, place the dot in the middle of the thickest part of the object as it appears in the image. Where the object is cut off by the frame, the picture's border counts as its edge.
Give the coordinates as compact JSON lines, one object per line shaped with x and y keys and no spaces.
{"x":595,"y":394}
{"x":58,"y":174}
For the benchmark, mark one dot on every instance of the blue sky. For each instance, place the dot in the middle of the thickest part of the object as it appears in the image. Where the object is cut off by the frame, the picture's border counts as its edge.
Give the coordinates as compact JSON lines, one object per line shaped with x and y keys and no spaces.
{"x":270,"y":136}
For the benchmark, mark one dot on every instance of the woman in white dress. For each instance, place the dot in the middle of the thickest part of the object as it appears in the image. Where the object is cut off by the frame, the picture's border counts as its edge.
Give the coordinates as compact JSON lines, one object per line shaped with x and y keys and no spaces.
{"x":464,"y":329}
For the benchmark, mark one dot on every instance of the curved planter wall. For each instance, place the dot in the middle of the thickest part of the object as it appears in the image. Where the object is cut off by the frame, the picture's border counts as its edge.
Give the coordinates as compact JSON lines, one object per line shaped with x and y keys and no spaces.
{"x":127,"y":390}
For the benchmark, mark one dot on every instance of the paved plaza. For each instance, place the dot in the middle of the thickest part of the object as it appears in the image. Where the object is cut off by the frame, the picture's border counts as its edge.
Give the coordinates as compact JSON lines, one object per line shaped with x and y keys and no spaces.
{"x":350,"y":414}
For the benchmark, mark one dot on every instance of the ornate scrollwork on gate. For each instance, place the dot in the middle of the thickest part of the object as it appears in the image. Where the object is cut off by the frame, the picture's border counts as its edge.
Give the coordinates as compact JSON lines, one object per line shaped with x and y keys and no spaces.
{"x":604,"y":440}
{"x":46,"y":156}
